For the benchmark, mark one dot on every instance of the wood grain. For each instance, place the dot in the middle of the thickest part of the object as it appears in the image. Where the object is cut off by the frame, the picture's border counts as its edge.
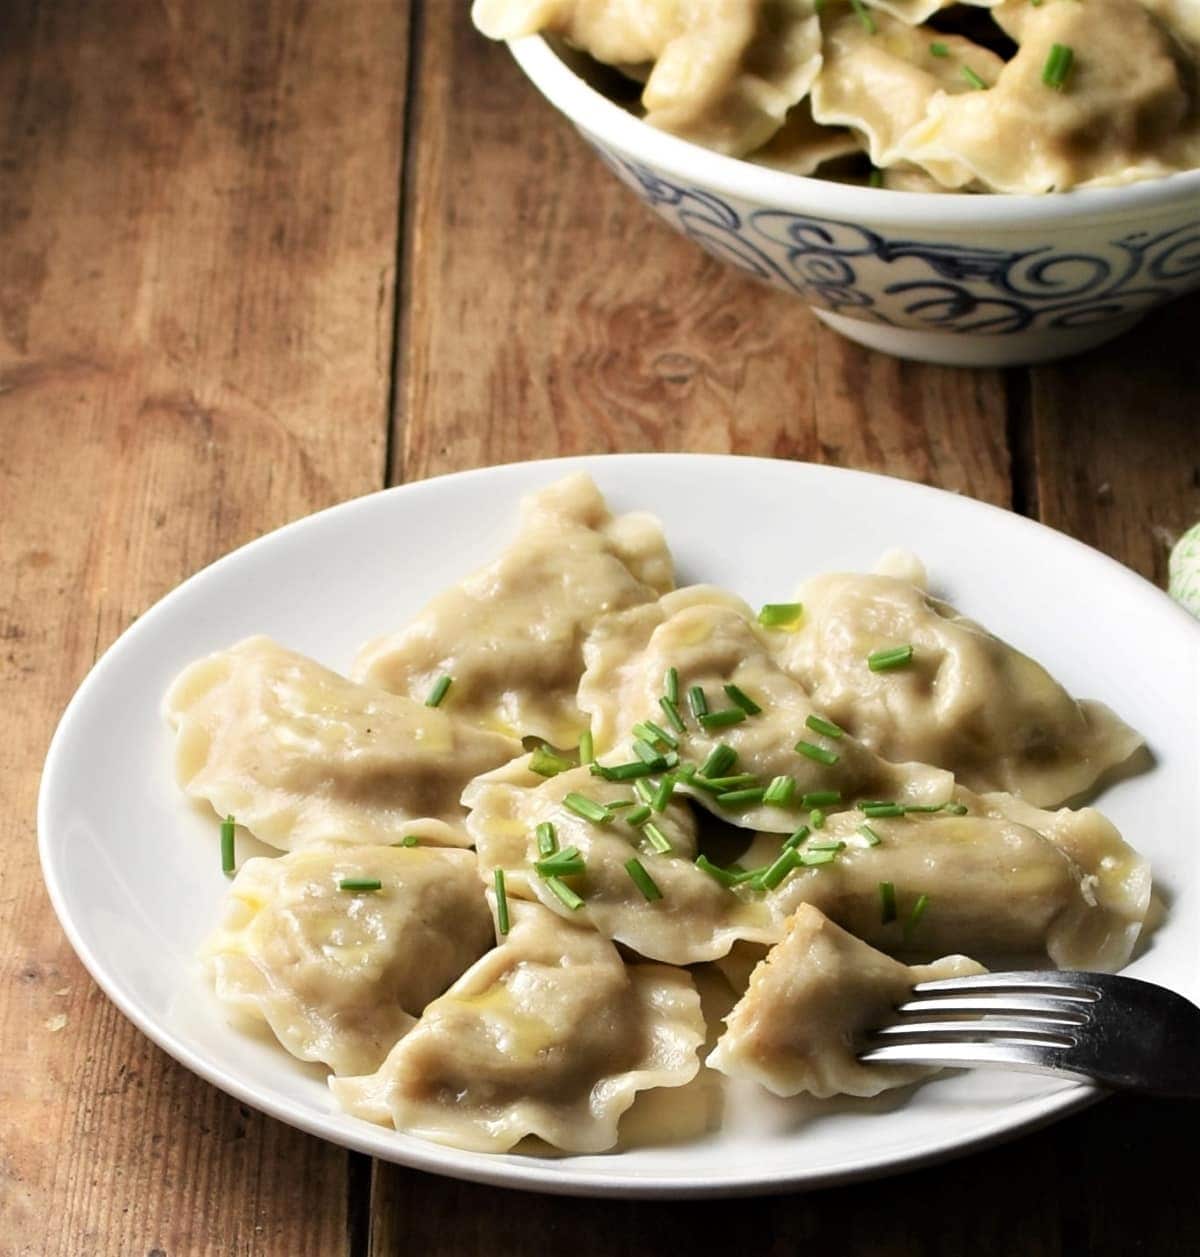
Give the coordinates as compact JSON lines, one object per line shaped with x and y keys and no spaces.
{"x":197,"y":217}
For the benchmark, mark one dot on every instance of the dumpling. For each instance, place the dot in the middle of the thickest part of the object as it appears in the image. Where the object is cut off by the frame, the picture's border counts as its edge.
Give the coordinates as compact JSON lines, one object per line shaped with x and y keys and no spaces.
{"x":801,"y":144}
{"x":1127,"y":111}
{"x":511,"y":636}
{"x":967,"y":702}
{"x":299,"y":755}
{"x":694,"y":919}
{"x":339,"y":975}
{"x":808,"y":1002}
{"x":711,"y":646}
{"x":550,"y":1034}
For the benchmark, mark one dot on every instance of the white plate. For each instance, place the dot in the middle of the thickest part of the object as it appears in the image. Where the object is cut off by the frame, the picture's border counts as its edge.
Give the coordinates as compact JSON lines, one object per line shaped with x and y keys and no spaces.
{"x":133,"y":871}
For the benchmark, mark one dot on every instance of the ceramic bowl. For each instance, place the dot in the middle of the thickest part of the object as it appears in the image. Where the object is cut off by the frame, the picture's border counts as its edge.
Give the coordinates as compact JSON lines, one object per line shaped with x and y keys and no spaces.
{"x":966,"y":280}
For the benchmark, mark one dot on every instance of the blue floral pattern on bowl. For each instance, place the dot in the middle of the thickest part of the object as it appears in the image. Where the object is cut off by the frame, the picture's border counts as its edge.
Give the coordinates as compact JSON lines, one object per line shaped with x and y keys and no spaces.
{"x":948,"y":287}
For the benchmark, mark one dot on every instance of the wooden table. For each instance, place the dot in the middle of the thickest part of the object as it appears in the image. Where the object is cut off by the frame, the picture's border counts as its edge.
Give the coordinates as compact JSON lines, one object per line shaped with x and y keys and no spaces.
{"x":257,"y":258}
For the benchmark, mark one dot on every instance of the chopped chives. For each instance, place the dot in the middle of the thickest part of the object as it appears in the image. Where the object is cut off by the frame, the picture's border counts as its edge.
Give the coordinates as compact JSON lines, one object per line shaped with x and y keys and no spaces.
{"x":875,"y":178}
{"x":720,"y":760}
{"x":784,"y":863}
{"x":587,"y":749}
{"x":697,"y":701}
{"x":228,"y":861}
{"x":887,"y":902}
{"x":589,"y":809}
{"x":922,"y":807}
{"x":546,"y":763}
{"x":811,"y":859}
{"x":779,"y":792}
{"x":827,"y":844}
{"x":956,"y":809}
{"x":741,"y":699}
{"x":718,"y":874}
{"x":618,"y":805}
{"x":816,"y":818}
{"x":914,"y":917}
{"x":625,"y":772}
{"x":644,"y":790}
{"x":886,"y":660}
{"x":659,"y":734}
{"x":864,"y":16}
{"x":547,"y":839}
{"x":820,"y":798}
{"x":876,"y":810}
{"x":1058,"y":65}
{"x":780,"y":614}
{"x":564,"y":894}
{"x":736,"y":798}
{"x":720,"y":784}
{"x":818,"y":753}
{"x":723,"y":718}
{"x":662,"y":796}
{"x":671,"y":759}
{"x":642,"y":880}
{"x":360,"y":883}
{"x":565,"y":863}
{"x":410,"y":840}
{"x":975,"y":81}
{"x":656,"y":838}
{"x":501,"y":903}
{"x":440,"y":686}
{"x":818,"y":724}
{"x":639,"y":816}
{"x":647,"y":753}
{"x":873,"y":839}
{"x":797,"y":836}
{"x":671,"y":684}
{"x":671,"y":711}
{"x":937,"y":49}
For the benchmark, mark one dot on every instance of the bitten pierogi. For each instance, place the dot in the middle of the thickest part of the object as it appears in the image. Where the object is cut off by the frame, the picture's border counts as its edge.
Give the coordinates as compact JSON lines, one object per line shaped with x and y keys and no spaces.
{"x":568,"y":797}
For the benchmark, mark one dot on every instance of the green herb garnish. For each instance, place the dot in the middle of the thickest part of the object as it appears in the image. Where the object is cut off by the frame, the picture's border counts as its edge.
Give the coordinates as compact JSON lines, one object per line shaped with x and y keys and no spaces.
{"x":547,"y":839}
{"x":639,"y":816}
{"x":440,"y":686}
{"x":784,"y":863}
{"x":656,"y":838}
{"x":864,"y":16}
{"x":876,"y":810}
{"x":741,"y":699}
{"x":818,"y":724}
{"x":975,"y":81}
{"x":887,"y":902}
{"x":797,"y":836}
{"x":589,"y":809}
{"x":937,"y":49}
{"x":720,"y":760}
{"x":360,"y":884}
{"x":501,"y":903}
{"x":1058,"y":66}
{"x":873,"y":839}
{"x":642,"y":880}
{"x":587,"y":751}
{"x":779,"y":792}
{"x":818,"y":753}
{"x":564,"y":894}
{"x":780,"y":614}
{"x":546,"y":763}
{"x":739,"y":798}
{"x":697,"y":701}
{"x":662,"y":796}
{"x":886,"y":660}
{"x":671,"y":684}
{"x":565,"y":863}
{"x":820,"y":798}
{"x":228,"y":861}
{"x":723,"y":718}
{"x":914,"y":917}
{"x":671,"y":711}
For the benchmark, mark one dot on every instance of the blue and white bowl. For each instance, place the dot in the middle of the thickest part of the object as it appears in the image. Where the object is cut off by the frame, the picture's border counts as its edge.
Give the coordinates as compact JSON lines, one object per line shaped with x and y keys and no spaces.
{"x":951,"y":278}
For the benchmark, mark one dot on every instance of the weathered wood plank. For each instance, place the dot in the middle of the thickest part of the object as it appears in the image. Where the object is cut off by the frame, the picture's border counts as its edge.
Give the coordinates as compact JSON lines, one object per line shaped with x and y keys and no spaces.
{"x":197,"y":235}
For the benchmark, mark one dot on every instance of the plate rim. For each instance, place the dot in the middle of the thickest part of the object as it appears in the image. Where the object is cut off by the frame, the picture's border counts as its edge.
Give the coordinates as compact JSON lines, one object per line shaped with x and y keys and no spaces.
{"x":507,"y":1171}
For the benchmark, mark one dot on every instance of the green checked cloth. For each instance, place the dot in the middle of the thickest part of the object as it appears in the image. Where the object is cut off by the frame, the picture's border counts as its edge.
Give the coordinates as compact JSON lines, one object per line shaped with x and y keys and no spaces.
{"x":1184,"y":571}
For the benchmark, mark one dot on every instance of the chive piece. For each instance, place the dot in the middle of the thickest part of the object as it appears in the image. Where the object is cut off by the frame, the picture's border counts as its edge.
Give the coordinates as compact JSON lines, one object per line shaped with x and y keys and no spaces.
{"x":873,"y":839}
{"x":956,"y":809}
{"x":779,"y":792}
{"x":738,"y":798}
{"x":816,"y":818}
{"x":671,"y":759}
{"x":818,"y":753}
{"x":811,"y":859}
{"x":923,"y":807}
{"x":827,"y":844}
{"x":360,"y":883}
{"x":797,"y":836}
{"x":1058,"y":65}
{"x":737,"y":782}
{"x":565,"y":863}
{"x":501,"y":903}
{"x":661,"y":735}
{"x":720,"y":760}
{"x":644,"y":790}
{"x":410,"y":840}
{"x":722,"y":719}
{"x":875,"y":178}
{"x":547,"y":839}
{"x":739,"y":698}
{"x":697,"y":701}
{"x":975,"y":81}
{"x":625,"y":772}
{"x":589,"y":809}
{"x":876,"y":810}
{"x":820,"y":798}
{"x":886,"y":660}
{"x":587,"y":749}
{"x":642,"y":880}
{"x":656,"y":838}
{"x":887,"y":902}
{"x":662,"y":796}
{"x":639,"y":816}
{"x":228,"y":862}
{"x":440,"y":686}
{"x":780,"y":614}
{"x":564,"y":894}
{"x":784,"y":863}
{"x":914,"y":917}
{"x":864,"y":16}
{"x":648,"y":754}
{"x":672,"y":713}
{"x":546,"y":763}
{"x":671,"y":684}
{"x":619,"y":805}
{"x":715,"y":871}
{"x":937,"y":49}
{"x":818,"y":724}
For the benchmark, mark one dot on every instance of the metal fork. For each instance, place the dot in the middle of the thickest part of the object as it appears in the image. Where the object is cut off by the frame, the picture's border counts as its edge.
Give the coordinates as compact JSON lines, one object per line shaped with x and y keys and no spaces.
{"x":1098,"y":1027}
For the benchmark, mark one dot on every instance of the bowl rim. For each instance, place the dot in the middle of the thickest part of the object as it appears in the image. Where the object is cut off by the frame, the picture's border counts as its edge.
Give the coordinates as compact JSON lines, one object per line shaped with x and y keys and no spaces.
{"x":607,"y":122}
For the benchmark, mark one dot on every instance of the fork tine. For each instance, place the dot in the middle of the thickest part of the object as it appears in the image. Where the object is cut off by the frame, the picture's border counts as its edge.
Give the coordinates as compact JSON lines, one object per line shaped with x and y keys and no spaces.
{"x":1074,"y":1011}
{"x":1038,"y":1058}
{"x":1084,"y":987}
{"x":974,"y":1031}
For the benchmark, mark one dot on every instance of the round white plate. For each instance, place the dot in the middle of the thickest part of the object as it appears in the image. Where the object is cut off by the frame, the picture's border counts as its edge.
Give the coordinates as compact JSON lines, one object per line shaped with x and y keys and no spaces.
{"x":133,"y":870}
